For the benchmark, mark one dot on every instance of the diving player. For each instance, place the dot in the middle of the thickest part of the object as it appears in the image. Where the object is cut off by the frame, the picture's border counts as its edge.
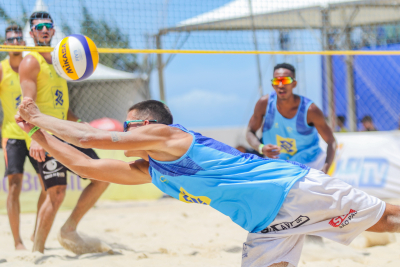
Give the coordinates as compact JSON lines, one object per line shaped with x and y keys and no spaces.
{"x":277,"y":201}
{"x":290,"y":124}
{"x":13,"y":143}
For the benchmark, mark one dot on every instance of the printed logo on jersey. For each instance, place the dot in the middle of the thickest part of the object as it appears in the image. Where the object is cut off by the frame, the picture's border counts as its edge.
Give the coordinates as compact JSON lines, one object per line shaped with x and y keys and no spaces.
{"x":17,"y":97}
{"x":342,"y":221}
{"x":244,"y":251}
{"x":51,"y":169}
{"x":189,"y":198}
{"x":286,"y":225}
{"x":287,"y":145}
{"x":58,"y":97}
{"x":164,"y":180}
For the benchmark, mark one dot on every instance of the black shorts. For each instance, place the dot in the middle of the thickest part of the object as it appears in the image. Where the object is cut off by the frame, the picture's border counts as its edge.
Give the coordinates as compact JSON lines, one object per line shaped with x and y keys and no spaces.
{"x":15,"y":153}
{"x":54,"y":173}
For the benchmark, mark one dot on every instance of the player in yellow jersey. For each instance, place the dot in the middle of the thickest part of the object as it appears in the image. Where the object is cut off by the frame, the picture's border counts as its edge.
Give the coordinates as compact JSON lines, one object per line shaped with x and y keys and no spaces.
{"x":40,"y":81}
{"x":14,"y":146}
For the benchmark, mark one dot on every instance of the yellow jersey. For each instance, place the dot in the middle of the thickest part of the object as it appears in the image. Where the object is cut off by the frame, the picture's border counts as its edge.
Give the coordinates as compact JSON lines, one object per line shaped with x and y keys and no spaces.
{"x":11,"y":97}
{"x":52,"y":96}
{"x":52,"y":91}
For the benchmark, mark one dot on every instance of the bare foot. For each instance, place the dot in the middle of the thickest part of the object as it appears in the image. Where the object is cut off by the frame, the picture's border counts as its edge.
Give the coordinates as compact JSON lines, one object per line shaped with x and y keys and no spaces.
{"x":20,"y":246}
{"x":81,"y":244}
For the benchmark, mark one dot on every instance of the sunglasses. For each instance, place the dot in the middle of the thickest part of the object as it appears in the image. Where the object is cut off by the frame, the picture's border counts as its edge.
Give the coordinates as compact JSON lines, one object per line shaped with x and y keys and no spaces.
{"x":283,"y":80}
{"x":126,"y":123}
{"x":40,"y":26}
{"x":11,"y":40}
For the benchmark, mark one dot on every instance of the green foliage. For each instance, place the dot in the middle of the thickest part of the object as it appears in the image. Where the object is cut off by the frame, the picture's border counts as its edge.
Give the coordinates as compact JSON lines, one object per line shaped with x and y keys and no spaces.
{"x":105,"y":35}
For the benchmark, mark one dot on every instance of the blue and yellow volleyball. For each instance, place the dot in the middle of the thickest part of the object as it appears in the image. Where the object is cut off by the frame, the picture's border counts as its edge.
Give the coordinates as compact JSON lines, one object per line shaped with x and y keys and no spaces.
{"x":75,"y":57}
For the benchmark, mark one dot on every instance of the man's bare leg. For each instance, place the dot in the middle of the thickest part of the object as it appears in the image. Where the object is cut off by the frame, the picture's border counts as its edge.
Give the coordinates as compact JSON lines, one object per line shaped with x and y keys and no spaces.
{"x":389,"y":222}
{"x":68,"y":237}
{"x":13,"y":207}
{"x":41,"y":199}
{"x":47,"y":213}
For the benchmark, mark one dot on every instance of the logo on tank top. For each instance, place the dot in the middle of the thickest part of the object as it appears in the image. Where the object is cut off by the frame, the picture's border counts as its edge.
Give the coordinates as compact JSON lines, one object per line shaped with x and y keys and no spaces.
{"x":58,"y":97}
{"x":17,"y":99}
{"x":287,"y":145}
{"x":184,"y":196}
{"x":342,"y":221}
{"x":286,"y":225}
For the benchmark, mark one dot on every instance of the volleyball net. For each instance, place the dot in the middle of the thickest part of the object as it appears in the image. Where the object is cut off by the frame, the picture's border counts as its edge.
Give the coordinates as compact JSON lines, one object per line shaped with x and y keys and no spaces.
{"x":345,"y":52}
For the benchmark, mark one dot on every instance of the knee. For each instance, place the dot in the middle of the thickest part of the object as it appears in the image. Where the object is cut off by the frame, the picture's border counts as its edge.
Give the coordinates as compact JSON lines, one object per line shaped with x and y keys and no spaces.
{"x":56,"y":195}
{"x":14,"y":183}
{"x":100,"y":184}
{"x":390,"y":221}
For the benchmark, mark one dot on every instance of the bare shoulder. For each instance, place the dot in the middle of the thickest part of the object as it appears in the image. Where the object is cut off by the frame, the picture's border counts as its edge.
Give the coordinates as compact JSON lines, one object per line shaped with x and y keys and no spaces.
{"x":261,"y":104}
{"x":29,"y":63}
{"x":264,"y":99}
{"x":314,"y":109}
{"x":314,"y":114}
{"x":166,"y":131}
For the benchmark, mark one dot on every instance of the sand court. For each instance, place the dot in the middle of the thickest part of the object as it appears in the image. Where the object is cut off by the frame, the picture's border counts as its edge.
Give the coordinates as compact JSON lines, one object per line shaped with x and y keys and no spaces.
{"x":167,"y":232}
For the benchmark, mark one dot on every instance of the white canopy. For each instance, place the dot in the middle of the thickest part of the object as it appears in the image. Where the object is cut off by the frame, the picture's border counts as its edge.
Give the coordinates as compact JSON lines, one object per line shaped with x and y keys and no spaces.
{"x":293,"y":14}
{"x":106,"y":73}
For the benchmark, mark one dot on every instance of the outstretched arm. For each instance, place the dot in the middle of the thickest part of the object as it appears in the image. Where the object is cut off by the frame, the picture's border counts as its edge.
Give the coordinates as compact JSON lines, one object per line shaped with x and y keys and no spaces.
{"x":28,"y":72}
{"x":107,"y":170}
{"x":83,"y":135}
{"x":316,"y":117}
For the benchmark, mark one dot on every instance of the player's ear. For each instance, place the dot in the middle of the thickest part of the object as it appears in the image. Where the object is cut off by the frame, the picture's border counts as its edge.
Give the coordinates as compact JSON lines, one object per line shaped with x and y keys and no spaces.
{"x":294,"y":84}
{"x":31,"y":33}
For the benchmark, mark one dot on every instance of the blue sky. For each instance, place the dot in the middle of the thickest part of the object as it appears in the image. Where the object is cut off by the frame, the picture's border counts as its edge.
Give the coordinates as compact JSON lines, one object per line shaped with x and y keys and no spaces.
{"x":201,"y":90}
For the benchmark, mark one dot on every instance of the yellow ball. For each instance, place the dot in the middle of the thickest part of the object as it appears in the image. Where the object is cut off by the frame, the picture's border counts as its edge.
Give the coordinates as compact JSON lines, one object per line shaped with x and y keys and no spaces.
{"x":75,"y":57}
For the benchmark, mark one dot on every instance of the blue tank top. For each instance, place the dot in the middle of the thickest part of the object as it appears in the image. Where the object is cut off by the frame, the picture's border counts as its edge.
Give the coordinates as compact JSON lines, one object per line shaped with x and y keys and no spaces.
{"x":247,"y":188}
{"x":298,"y":141}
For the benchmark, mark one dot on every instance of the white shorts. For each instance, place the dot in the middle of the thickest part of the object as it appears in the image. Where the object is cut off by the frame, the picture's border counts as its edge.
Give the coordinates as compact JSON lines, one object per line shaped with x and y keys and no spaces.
{"x":318,"y":205}
{"x":319,"y":162}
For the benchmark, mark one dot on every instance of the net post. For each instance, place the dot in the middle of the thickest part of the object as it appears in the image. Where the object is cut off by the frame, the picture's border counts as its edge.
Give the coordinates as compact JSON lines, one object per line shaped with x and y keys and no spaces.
{"x":328,"y":69}
{"x":160,"y":67}
{"x":351,"y":104}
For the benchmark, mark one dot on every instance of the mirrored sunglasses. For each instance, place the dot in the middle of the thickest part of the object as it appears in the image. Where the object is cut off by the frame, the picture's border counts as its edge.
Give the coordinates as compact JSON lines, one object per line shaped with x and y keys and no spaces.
{"x":40,"y":26}
{"x":11,"y":40}
{"x":283,"y":80}
{"x":126,"y":123}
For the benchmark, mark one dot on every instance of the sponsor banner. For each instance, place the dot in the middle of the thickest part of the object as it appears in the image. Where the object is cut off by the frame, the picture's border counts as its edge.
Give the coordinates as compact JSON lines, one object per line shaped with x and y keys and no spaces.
{"x":31,"y":186}
{"x":369,"y":161}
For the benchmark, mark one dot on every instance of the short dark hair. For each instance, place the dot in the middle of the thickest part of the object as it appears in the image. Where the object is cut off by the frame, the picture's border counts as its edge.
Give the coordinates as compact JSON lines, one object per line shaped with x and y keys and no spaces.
{"x":153,"y":109}
{"x":13,"y":28}
{"x":39,"y":15}
{"x":286,"y":66}
{"x":366,"y":118}
{"x":341,"y":118}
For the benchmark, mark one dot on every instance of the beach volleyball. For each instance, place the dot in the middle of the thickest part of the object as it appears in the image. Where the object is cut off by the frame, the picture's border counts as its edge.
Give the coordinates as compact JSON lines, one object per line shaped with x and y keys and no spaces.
{"x":75,"y":57}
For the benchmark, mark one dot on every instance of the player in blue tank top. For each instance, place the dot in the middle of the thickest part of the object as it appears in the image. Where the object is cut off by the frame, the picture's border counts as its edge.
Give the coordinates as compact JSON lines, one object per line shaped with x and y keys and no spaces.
{"x":195,"y":169}
{"x":290,"y":124}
